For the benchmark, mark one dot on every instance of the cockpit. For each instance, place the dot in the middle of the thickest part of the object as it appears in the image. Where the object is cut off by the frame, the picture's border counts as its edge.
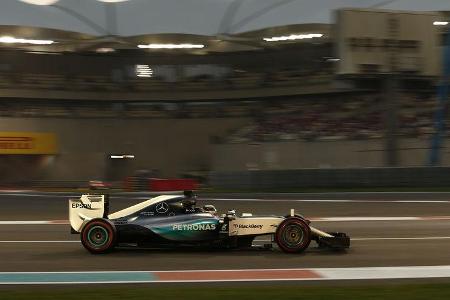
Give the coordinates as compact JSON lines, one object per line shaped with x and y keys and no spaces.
{"x":170,"y":205}
{"x":188,"y":204}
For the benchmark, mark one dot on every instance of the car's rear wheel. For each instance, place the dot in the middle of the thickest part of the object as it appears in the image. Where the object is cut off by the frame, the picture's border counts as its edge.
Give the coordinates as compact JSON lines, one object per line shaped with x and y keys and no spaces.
{"x":98,"y":236}
{"x":293,"y":235}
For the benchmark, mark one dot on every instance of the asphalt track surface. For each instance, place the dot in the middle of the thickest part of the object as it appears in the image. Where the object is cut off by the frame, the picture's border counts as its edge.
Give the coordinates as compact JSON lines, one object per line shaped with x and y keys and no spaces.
{"x":375,"y":243}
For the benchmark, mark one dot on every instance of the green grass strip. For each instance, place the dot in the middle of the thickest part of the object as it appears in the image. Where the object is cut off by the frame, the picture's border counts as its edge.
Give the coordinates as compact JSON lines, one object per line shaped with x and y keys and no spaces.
{"x":257,"y":292}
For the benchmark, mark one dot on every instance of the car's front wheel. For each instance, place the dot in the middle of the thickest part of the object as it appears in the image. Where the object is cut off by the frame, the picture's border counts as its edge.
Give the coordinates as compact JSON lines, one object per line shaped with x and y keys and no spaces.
{"x":293,"y":235}
{"x":98,"y":236}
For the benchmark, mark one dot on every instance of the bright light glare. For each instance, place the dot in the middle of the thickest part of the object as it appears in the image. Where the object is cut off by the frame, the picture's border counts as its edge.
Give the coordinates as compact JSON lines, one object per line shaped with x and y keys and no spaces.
{"x":40,"y":2}
{"x":293,"y":37}
{"x":171,"y":46}
{"x":13,"y":40}
{"x":122,"y":156}
{"x":104,"y":50}
{"x":440,"y":23}
{"x":143,"y":71}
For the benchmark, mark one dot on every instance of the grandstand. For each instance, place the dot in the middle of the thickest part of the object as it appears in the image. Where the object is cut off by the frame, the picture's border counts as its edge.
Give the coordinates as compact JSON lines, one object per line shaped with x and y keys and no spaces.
{"x":337,"y":117}
{"x":180,"y":110}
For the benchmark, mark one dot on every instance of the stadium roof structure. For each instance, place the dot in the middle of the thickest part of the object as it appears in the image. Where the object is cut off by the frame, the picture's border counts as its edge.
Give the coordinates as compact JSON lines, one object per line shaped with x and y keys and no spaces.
{"x":226,"y":25}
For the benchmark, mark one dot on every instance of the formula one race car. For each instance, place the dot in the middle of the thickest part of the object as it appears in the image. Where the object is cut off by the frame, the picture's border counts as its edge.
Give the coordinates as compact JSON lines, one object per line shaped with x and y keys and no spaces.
{"x":174,"y":221}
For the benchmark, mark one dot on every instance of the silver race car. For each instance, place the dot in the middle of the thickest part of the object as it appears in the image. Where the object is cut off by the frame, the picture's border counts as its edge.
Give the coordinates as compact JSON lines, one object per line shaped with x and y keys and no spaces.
{"x":176,"y":221}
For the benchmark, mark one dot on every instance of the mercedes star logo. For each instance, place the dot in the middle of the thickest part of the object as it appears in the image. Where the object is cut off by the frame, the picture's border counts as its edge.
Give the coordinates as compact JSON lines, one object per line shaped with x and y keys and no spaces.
{"x":162,"y":208}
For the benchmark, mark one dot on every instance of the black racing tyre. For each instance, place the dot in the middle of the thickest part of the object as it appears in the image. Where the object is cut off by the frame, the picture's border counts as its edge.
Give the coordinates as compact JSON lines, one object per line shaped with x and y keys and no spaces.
{"x":99,"y":236}
{"x":293,"y":235}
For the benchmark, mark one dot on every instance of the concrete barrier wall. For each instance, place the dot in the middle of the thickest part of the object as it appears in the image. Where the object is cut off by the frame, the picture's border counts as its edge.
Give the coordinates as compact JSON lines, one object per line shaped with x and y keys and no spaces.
{"x":345,"y":178}
{"x":412,"y":152}
{"x":173,"y":146}
{"x":170,"y":146}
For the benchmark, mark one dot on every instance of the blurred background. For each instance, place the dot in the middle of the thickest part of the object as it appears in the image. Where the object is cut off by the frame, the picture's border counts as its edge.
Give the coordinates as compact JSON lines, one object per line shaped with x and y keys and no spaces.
{"x":234,"y":95}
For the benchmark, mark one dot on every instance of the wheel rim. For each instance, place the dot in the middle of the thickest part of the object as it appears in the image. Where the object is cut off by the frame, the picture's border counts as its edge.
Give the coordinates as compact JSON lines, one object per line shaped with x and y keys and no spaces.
{"x":97,"y":236}
{"x":293,"y":235}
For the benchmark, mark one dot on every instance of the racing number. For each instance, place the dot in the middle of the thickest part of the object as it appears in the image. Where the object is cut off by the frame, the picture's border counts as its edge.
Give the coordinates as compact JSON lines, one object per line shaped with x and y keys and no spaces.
{"x":224,"y":227}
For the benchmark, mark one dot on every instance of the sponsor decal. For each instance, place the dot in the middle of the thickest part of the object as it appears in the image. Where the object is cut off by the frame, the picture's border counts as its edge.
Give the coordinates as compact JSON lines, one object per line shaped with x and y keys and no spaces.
{"x":121,"y":222}
{"x":162,"y":208}
{"x":147,"y":213}
{"x":81,"y":205}
{"x":194,"y":227}
{"x":18,"y":142}
{"x":246,"y":226}
{"x":27,"y":143}
{"x":224,"y":227}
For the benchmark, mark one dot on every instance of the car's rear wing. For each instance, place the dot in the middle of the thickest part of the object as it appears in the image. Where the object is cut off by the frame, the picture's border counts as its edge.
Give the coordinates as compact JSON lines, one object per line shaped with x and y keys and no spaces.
{"x":86,"y":208}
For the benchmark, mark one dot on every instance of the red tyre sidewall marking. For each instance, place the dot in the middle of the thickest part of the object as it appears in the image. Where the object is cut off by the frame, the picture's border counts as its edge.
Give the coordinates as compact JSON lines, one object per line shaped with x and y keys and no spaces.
{"x":104,"y":224}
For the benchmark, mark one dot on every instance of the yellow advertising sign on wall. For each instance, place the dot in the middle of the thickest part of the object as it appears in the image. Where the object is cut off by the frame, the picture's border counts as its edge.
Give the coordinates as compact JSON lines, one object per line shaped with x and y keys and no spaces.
{"x":27,"y":143}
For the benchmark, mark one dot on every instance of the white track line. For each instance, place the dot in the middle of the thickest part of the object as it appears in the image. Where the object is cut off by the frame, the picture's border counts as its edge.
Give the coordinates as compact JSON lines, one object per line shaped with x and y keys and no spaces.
{"x":356,"y":193}
{"x":316,"y":219}
{"x":408,"y":272}
{"x":306,"y":274}
{"x":364,"y":219}
{"x":256,"y":240}
{"x":388,"y":219}
{"x":26,"y":223}
{"x":140,"y":197}
{"x":325,"y":200}
{"x":67,"y":196}
{"x":39,"y":195}
{"x":37,"y":242}
{"x":402,"y":238}
{"x":383,"y":238}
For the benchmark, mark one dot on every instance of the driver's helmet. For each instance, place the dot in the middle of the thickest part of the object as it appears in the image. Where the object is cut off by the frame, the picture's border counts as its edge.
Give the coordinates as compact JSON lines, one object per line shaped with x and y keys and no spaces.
{"x":189,"y":204}
{"x":189,"y":201}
